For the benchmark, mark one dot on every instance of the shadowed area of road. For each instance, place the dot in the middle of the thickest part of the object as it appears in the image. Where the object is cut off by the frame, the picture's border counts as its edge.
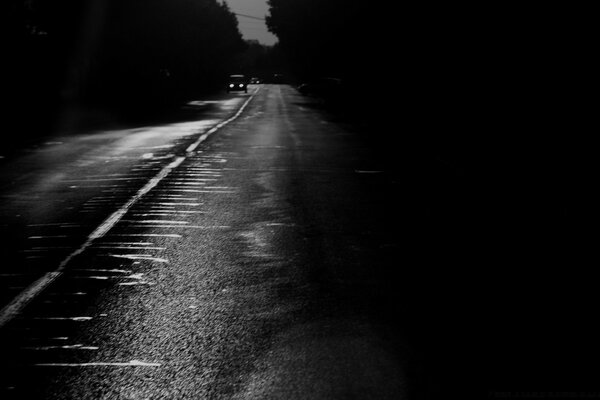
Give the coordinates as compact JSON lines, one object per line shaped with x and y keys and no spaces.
{"x":294,"y":254}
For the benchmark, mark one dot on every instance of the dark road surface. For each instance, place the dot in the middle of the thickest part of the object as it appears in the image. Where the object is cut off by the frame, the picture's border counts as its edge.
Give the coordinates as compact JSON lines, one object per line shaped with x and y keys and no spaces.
{"x":256,"y":246}
{"x":155,"y":262}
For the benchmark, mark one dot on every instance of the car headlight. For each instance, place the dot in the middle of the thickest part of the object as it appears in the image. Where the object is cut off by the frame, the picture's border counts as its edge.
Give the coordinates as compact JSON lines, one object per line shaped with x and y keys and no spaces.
{"x":231,"y":85}
{"x":241,"y":85}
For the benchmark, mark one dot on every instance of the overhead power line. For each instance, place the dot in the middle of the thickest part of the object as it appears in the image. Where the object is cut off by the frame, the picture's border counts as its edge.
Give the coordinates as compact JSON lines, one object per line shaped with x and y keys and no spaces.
{"x":249,"y":16}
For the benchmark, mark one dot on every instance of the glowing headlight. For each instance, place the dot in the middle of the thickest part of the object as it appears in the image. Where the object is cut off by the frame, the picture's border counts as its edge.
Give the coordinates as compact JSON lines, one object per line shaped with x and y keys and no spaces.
{"x":231,"y":85}
{"x":241,"y":85}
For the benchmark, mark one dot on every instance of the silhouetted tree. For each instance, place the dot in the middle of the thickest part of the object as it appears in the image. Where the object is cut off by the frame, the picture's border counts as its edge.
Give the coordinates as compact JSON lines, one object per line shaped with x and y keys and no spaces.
{"x":327,"y":37}
{"x":120,"y":50}
{"x":181,"y":46}
{"x":261,"y":61}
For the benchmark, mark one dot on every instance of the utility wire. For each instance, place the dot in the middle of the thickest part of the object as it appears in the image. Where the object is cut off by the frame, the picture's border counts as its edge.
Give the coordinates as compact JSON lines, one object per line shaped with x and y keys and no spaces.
{"x":250,"y":16}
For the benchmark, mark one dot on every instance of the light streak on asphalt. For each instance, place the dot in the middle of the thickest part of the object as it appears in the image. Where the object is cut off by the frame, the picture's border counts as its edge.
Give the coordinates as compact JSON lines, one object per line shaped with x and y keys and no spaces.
{"x":146,"y":257}
{"x":181,"y":226}
{"x":65,"y":347}
{"x":14,"y":307}
{"x":167,"y":235}
{"x":132,"y":363}
{"x":77,"y":319}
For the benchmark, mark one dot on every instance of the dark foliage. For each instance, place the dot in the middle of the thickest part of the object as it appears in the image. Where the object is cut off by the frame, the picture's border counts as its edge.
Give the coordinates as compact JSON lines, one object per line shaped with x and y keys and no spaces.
{"x":478,"y":107}
{"x":261,"y":61}
{"x":117,"y":53}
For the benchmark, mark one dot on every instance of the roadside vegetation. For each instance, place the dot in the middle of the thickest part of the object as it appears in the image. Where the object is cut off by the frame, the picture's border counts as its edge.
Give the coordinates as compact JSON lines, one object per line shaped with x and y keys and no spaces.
{"x":479,"y":110}
{"x":121,"y":56}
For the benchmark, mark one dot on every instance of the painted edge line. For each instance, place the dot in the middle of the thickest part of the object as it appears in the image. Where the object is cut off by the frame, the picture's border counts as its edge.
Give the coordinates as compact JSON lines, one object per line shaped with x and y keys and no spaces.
{"x":15,"y":306}
{"x":215,"y":128}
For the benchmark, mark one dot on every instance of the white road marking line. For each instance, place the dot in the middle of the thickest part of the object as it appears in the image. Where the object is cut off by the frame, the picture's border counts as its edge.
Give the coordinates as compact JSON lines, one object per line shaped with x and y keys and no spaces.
{"x":179,"y":178}
{"x":119,"y":271}
{"x":175,"y":197}
{"x":168,"y":235}
{"x":132,"y":363}
{"x":164,"y":213}
{"x":204,"y":136}
{"x":146,"y":257}
{"x":186,"y":190}
{"x":106,"y":175}
{"x":151,"y":203}
{"x":192,"y":183}
{"x":98,"y":278}
{"x":203,"y":170}
{"x":123,"y":244}
{"x":66,"y":347}
{"x":127,"y":248}
{"x":198,"y":173}
{"x":77,"y":319}
{"x":154,"y":221}
{"x":29,"y":293}
{"x":216,"y":191}
{"x":179,"y":226}
{"x":13,"y":308}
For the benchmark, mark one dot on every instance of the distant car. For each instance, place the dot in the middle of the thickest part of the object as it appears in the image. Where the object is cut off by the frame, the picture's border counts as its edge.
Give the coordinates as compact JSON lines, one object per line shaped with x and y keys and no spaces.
{"x":237,"y":83}
{"x":254,"y":80}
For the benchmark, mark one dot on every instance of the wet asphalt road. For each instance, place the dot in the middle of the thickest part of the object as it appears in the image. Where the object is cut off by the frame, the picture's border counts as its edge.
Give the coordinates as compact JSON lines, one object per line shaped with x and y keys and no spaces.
{"x":259,"y":262}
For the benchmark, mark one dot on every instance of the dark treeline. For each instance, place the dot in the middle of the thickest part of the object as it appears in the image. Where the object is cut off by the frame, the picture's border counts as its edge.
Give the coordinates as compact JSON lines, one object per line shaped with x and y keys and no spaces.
{"x":116,"y":53}
{"x":426,"y":52}
{"x":262,"y":61}
{"x":446,"y":72}
{"x":479,"y":110}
